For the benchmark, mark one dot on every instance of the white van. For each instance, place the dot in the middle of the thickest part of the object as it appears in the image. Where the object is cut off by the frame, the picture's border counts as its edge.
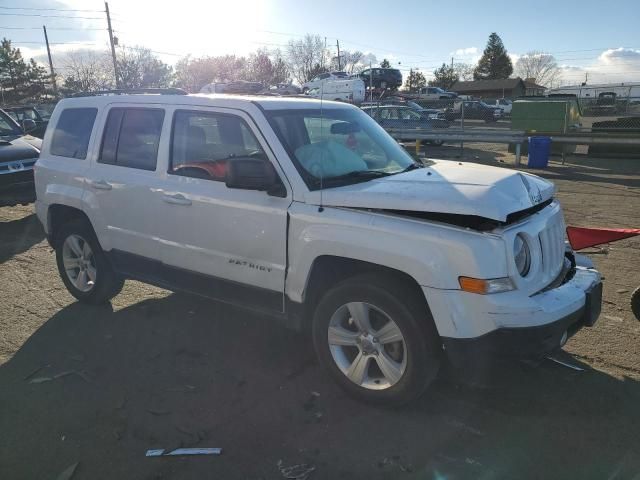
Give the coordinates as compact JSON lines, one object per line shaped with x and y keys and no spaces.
{"x":350,"y":90}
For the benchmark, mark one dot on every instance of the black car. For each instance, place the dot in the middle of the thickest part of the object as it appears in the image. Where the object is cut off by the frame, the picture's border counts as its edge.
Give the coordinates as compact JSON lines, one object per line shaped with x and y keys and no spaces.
{"x":381,"y":77}
{"x":18,"y":152}
{"x":22,"y":113}
{"x":474,"y":110}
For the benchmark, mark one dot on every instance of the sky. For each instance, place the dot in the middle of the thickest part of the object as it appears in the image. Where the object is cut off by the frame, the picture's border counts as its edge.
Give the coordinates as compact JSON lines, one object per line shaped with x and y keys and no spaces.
{"x":590,"y":39}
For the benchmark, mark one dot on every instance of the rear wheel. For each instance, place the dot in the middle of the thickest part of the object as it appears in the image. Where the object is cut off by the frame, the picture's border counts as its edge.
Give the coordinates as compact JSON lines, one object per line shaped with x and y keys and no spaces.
{"x":83,"y":266}
{"x":376,"y":340}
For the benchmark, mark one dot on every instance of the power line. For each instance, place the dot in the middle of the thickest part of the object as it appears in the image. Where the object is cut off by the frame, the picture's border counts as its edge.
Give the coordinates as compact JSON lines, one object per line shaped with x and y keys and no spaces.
{"x":50,"y":28}
{"x":49,"y":9}
{"x":47,"y":16}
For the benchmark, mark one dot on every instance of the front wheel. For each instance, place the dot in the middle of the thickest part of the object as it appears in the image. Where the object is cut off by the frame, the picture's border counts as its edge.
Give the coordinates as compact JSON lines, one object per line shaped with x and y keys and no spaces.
{"x":376,"y":340}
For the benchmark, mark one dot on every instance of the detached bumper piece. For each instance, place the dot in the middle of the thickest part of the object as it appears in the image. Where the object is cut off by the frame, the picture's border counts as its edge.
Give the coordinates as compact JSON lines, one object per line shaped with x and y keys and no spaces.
{"x":527,"y":342}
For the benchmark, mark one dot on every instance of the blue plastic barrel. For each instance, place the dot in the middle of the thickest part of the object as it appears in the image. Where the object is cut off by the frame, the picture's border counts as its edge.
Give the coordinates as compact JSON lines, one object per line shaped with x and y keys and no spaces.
{"x":539,"y":151}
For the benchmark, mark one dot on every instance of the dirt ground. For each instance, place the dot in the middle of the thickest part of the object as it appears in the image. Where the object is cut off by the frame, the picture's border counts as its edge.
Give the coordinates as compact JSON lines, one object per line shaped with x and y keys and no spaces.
{"x":98,"y":386}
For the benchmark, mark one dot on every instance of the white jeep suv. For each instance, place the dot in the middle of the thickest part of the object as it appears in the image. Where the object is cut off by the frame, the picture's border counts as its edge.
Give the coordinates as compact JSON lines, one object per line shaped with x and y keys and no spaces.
{"x":312,"y":214}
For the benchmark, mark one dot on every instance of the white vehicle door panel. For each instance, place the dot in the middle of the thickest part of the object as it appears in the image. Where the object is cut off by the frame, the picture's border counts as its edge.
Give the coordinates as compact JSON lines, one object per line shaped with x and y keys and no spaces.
{"x":122,"y":200}
{"x":232,"y":234}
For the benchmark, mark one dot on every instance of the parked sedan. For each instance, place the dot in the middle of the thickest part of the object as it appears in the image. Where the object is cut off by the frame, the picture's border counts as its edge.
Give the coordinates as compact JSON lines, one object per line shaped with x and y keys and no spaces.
{"x":394,"y":116}
{"x":475,"y":110}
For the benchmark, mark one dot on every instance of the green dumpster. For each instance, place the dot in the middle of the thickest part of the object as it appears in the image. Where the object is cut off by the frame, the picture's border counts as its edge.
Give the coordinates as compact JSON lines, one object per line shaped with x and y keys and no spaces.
{"x":544,"y":116}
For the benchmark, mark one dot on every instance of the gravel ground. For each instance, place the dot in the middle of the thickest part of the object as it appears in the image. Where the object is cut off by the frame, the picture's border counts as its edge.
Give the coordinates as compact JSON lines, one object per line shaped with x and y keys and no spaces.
{"x":98,"y":386}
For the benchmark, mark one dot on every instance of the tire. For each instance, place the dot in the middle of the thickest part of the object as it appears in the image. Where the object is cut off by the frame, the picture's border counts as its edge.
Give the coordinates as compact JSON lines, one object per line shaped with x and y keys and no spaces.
{"x":436,"y":143}
{"x":76,"y":243}
{"x":411,"y":363}
{"x":635,"y":303}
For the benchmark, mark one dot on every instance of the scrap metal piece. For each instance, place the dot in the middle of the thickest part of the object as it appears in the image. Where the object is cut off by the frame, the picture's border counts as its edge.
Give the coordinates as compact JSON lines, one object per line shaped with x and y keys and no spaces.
{"x":183,"y":451}
{"x":568,"y":365}
{"x":195,"y":451}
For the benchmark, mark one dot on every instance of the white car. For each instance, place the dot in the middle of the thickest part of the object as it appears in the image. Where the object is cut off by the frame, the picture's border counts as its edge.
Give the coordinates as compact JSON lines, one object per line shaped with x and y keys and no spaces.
{"x":313,"y":215}
{"x":351,"y":90}
{"x":503,"y":104}
{"x":318,"y":80}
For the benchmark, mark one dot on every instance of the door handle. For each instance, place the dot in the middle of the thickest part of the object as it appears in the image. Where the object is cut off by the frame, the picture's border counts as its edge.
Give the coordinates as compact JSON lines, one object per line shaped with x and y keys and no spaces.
{"x":176,"y":199}
{"x":100,"y":184}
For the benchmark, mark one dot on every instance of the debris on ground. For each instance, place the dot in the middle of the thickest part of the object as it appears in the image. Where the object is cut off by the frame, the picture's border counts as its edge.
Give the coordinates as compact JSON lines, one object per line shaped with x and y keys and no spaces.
{"x":36,"y":370}
{"x":394,"y":461}
{"x":68,"y":472}
{"x":458,"y":424}
{"x":66,"y":373}
{"x":183,"y":451}
{"x":158,"y":412}
{"x":296,"y":472}
{"x":565,"y":364}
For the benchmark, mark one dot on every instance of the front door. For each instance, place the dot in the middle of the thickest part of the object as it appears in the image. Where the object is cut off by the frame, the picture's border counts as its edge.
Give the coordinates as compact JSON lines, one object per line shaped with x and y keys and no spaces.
{"x":235,"y":240}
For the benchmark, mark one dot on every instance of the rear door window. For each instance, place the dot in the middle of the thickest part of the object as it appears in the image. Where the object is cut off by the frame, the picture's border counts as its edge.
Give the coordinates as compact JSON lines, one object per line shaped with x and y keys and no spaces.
{"x":131,"y":137}
{"x":72,"y":133}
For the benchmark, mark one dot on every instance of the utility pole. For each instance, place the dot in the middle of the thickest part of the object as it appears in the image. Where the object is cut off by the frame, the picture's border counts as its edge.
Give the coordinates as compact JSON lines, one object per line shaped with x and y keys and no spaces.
{"x":113,"y":48}
{"x":53,"y":75}
{"x":451,"y":63}
{"x":338,"y":45}
{"x":410,"y":79}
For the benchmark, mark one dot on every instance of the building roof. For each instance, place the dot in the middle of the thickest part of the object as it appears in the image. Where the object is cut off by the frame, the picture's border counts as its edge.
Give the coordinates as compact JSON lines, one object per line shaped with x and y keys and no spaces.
{"x":530,"y":83}
{"x":484,"y":85}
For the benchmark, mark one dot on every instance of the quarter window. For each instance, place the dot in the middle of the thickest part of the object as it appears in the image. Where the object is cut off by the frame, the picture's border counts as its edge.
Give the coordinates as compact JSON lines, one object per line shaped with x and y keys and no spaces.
{"x":131,"y":137}
{"x":72,"y":132}
{"x":204,"y":143}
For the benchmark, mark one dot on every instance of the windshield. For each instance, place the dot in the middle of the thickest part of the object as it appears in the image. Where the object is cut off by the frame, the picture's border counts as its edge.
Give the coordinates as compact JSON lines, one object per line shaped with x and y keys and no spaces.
{"x":8,"y":126}
{"x":337,"y":146}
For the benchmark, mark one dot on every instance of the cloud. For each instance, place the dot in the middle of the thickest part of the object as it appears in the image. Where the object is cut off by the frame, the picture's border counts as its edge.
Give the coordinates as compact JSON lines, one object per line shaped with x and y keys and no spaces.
{"x":614,"y":65}
{"x":465,"y":52}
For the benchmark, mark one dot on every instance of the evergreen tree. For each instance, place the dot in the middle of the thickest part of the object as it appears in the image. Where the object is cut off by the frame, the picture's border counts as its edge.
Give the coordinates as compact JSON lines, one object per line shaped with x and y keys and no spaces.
{"x":495,"y":63}
{"x":415,"y":81}
{"x":444,"y":77}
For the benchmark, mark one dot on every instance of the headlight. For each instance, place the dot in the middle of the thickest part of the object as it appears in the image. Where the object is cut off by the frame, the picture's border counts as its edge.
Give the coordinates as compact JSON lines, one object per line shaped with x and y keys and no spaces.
{"x":522,"y":255}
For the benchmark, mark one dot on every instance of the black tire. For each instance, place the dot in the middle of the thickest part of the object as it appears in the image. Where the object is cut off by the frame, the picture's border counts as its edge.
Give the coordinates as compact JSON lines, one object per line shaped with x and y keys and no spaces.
{"x":635,"y":303}
{"x":107,"y":283}
{"x":411,"y":315}
{"x":436,"y":143}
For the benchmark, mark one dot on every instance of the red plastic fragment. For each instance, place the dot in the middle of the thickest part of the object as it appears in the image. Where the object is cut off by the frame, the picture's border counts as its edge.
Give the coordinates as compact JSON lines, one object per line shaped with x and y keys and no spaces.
{"x":582,"y":237}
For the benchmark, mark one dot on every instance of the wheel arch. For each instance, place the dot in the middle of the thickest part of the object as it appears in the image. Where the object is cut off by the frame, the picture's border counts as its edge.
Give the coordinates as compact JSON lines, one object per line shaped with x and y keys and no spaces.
{"x":59,"y":214}
{"x":328,"y":270}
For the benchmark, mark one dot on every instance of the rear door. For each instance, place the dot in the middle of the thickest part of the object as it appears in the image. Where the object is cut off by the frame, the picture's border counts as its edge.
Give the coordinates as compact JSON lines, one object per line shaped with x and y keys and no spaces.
{"x":123,"y":179}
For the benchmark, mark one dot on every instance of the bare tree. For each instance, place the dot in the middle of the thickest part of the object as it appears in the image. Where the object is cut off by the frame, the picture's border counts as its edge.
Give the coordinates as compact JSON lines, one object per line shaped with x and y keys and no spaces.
{"x":139,"y":68}
{"x":464,"y":71}
{"x":306,"y":57}
{"x":194,"y":73}
{"x":540,"y":66}
{"x":88,"y":70}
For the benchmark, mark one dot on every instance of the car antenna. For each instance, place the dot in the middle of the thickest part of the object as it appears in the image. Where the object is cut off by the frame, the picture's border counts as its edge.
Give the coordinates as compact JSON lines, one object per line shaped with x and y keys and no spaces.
{"x":320,"y":207}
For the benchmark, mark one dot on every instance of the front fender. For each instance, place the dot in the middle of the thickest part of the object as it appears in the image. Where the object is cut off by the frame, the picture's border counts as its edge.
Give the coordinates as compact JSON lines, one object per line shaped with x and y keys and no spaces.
{"x":433,"y":254}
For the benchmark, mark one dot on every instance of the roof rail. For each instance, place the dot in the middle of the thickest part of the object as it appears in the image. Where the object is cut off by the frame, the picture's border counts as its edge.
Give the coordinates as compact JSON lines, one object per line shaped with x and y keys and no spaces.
{"x":134,"y":91}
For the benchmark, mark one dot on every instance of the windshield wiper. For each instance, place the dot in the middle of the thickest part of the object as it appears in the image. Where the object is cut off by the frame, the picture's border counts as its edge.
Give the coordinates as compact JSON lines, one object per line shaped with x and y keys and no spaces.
{"x":357,"y":175}
{"x":413,"y":166}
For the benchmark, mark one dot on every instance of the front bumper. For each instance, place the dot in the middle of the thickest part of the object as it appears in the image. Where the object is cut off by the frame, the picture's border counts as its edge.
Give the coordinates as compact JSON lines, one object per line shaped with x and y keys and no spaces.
{"x":527,"y":342}
{"x":514,"y":325}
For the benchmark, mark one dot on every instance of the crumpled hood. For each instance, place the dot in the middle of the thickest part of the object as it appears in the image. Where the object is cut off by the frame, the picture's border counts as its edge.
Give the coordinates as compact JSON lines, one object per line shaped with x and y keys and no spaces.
{"x":447,"y":187}
{"x":19,"y":148}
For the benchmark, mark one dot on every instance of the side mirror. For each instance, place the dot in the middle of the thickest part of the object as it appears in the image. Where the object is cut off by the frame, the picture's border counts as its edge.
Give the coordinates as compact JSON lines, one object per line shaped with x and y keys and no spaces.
{"x":28,"y":125}
{"x":253,"y":174}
